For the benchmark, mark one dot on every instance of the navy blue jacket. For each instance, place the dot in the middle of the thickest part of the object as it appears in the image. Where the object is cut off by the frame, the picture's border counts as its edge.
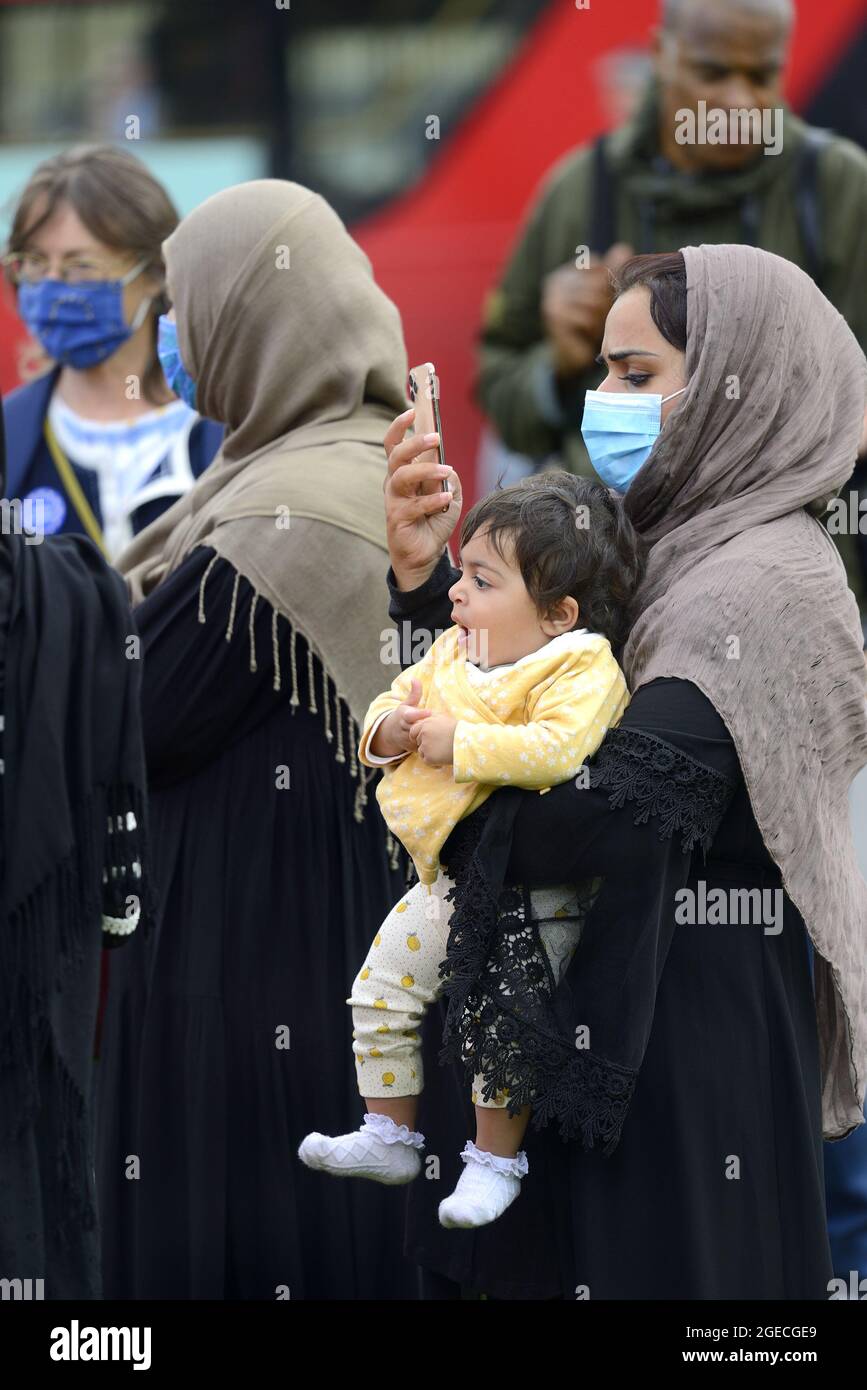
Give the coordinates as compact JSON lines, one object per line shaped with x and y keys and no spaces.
{"x":29,"y":463}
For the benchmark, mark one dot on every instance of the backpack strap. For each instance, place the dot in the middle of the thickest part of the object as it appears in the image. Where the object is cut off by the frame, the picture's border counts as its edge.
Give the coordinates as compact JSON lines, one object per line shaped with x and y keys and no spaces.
{"x":750,"y":211}
{"x":603,"y":196}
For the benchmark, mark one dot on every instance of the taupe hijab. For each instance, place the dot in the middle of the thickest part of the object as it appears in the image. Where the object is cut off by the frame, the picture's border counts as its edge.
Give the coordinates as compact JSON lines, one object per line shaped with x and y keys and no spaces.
{"x":746,"y":597}
{"x":295,"y":348}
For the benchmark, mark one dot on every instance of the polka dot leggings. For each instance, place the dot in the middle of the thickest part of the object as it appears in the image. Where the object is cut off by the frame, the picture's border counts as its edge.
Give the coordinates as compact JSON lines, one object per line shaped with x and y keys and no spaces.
{"x":397,"y":982}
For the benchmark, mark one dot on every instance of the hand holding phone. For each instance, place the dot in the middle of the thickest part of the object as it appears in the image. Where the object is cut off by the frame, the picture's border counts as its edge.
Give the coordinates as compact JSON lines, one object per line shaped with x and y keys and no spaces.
{"x":424,"y":392}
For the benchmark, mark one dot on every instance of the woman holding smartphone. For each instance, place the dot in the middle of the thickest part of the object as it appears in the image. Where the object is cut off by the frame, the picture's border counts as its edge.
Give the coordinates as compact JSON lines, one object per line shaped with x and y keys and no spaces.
{"x":695,"y":1046}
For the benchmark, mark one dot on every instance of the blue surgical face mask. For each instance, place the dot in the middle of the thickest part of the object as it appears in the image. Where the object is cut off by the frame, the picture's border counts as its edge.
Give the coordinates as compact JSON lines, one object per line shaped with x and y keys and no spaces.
{"x":620,"y":431}
{"x":80,"y":325}
{"x":174,"y":370}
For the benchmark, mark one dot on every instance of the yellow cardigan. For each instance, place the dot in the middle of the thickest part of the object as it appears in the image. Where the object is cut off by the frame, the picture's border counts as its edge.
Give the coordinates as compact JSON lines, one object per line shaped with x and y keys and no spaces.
{"x":531,"y":724}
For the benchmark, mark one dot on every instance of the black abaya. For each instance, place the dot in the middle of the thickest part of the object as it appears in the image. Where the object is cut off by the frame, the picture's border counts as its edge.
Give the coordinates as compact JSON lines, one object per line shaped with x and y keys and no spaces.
{"x":73,"y":879}
{"x":270,"y":895}
{"x":714,"y":1189}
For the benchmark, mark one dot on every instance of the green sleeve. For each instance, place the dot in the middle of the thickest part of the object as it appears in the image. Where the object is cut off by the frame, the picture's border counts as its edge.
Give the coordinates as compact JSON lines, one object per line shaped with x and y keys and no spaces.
{"x":843,"y":196}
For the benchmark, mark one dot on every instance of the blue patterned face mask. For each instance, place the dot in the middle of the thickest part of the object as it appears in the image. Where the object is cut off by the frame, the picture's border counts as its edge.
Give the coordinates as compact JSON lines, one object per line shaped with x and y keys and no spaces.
{"x":620,"y":431}
{"x":80,"y":325}
{"x":175,"y":372}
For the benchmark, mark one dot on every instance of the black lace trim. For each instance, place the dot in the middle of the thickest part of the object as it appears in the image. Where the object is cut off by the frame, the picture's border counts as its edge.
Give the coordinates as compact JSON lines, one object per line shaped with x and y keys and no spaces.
{"x":662,"y":781}
{"x":500,"y":1019}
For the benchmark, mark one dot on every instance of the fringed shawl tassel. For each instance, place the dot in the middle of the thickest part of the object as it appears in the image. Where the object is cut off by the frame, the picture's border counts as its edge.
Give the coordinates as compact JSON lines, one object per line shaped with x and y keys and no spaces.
{"x":340,"y":728}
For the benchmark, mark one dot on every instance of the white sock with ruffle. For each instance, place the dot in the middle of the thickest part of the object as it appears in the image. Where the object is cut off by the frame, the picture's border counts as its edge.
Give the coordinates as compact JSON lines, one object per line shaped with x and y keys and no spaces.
{"x":487,"y":1186}
{"x":379,"y":1149}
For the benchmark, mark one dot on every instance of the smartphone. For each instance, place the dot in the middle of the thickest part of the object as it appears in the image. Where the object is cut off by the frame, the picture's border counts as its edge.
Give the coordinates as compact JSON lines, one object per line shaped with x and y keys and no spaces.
{"x":424,"y":393}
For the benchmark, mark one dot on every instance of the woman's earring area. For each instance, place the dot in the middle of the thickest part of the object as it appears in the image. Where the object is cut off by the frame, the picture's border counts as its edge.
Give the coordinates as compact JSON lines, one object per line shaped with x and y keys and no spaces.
{"x":664,"y":414}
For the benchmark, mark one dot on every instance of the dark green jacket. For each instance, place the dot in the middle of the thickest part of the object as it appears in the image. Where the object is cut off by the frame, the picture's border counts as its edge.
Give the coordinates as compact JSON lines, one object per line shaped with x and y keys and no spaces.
{"x":658,"y":209}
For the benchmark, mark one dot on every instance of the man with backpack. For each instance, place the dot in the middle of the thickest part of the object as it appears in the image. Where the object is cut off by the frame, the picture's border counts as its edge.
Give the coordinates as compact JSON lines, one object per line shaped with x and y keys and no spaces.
{"x":659,"y":182}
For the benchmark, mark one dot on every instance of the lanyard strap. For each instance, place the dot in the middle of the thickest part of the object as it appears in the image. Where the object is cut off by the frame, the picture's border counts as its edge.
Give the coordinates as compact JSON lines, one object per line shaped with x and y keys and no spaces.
{"x":74,"y":490}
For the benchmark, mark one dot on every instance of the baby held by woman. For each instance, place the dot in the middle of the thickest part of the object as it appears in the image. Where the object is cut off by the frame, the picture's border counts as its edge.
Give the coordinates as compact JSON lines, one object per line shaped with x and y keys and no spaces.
{"x":519,"y":692}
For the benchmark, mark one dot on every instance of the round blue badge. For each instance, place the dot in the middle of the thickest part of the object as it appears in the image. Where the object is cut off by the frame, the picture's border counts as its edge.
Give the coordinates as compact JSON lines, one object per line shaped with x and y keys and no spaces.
{"x":52,"y":505}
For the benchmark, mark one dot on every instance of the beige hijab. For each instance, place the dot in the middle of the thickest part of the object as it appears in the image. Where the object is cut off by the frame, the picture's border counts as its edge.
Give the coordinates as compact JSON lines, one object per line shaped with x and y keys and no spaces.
{"x":746,"y":597}
{"x":295,"y":348}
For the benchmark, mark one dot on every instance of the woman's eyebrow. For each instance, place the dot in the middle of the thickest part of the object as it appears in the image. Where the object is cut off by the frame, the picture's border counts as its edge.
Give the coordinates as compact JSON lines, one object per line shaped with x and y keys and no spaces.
{"x":630,"y":352}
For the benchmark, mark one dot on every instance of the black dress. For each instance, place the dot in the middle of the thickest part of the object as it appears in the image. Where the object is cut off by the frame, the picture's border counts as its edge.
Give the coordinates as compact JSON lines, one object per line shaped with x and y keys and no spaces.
{"x":712,"y":1187}
{"x":74,"y":877}
{"x":226,"y":1036}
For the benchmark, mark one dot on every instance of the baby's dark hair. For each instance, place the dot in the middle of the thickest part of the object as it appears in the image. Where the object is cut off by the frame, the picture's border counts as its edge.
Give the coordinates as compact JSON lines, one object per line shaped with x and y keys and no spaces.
{"x":571,"y":536}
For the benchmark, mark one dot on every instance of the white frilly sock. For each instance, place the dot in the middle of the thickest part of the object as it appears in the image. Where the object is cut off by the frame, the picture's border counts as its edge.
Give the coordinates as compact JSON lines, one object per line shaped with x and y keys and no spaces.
{"x":487,"y":1186}
{"x":379,"y":1149}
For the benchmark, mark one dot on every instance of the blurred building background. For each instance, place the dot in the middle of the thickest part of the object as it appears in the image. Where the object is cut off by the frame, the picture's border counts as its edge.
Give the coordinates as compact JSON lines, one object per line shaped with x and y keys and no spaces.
{"x":426,"y":123}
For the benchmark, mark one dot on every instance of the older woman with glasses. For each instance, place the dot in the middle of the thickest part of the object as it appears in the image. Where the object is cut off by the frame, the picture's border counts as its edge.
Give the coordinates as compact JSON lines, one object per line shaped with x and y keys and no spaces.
{"x":98,"y":444}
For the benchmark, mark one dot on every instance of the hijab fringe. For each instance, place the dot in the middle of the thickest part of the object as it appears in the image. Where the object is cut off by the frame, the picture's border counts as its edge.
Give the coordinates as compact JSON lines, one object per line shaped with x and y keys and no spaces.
{"x":212,"y":562}
{"x":340,"y":728}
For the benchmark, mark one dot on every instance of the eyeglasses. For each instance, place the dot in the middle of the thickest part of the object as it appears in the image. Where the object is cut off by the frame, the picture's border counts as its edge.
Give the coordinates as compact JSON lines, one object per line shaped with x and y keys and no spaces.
{"x":28,"y":268}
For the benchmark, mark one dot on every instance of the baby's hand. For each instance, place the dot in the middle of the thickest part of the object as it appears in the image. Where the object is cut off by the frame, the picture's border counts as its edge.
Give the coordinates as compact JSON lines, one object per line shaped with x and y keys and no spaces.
{"x":435,"y":739}
{"x":393,"y":735}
